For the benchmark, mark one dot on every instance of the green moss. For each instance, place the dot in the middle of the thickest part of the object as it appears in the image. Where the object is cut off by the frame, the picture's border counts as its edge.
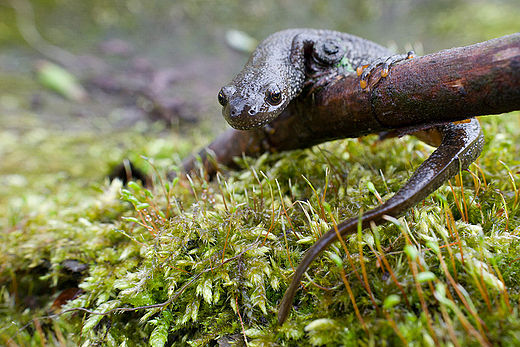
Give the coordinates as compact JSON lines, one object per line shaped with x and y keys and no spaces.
{"x":195,"y":262}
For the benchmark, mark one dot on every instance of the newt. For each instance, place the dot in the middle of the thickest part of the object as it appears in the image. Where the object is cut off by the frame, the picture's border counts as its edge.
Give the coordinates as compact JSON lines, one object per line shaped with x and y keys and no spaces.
{"x":287,"y":98}
{"x":276,"y":71}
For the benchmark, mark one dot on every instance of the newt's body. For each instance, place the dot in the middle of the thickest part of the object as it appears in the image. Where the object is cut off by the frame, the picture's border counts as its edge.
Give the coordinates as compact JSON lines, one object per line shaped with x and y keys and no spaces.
{"x":268,"y":91}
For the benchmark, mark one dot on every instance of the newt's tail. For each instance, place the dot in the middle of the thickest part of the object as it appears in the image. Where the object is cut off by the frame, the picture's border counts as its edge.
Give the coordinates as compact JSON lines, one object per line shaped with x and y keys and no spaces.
{"x":461,"y":144}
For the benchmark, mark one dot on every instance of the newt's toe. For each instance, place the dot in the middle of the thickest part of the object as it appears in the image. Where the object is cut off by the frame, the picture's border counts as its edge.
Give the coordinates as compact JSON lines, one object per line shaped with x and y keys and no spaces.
{"x":365,"y":70}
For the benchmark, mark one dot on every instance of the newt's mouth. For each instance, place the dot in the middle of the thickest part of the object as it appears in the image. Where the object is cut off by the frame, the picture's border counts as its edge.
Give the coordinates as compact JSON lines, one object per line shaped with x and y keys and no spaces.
{"x":245,"y":120}
{"x":246,"y":117}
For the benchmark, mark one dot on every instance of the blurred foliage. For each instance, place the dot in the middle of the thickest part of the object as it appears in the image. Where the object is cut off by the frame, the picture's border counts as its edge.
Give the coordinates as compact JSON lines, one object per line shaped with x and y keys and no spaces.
{"x":479,"y":21}
{"x":73,"y":23}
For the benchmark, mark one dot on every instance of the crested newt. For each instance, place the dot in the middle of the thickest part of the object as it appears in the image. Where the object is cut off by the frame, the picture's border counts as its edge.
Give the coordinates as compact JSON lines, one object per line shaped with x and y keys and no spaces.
{"x":286,"y":96}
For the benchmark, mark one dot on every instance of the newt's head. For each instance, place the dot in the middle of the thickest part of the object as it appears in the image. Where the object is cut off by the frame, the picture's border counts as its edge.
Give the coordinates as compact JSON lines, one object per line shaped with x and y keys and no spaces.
{"x":266,"y":85}
{"x":252,"y":106}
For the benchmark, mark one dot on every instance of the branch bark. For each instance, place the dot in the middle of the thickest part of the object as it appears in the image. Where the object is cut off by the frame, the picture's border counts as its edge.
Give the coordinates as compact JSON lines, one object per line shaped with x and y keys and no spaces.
{"x":457,"y":83}
{"x":451,"y":85}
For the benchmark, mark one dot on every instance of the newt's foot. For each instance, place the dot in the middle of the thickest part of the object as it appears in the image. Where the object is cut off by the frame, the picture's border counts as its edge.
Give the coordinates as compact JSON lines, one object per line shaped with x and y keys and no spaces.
{"x":365,"y":70}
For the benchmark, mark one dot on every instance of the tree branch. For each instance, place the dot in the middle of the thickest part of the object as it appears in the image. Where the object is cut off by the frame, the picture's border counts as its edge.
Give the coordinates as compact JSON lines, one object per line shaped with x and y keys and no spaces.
{"x":451,"y":85}
{"x":457,"y":83}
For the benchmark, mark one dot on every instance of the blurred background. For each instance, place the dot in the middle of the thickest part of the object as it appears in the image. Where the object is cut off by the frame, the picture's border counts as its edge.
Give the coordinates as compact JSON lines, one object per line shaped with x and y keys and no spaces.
{"x":101,"y":66}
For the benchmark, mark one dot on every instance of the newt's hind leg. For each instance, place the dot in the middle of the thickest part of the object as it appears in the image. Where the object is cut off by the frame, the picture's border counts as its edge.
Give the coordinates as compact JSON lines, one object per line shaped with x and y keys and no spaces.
{"x":460,"y":146}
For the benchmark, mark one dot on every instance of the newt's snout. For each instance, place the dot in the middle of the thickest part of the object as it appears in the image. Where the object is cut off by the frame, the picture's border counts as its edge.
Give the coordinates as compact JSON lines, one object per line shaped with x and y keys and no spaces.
{"x":240,"y":115}
{"x":229,"y":111}
{"x":237,"y":111}
{"x":248,"y":108}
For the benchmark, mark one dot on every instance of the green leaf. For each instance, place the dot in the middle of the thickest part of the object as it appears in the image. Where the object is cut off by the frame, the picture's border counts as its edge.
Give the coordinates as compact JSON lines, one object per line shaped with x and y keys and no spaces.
{"x":391,"y":301}
{"x":159,"y":335}
{"x":131,"y":219}
{"x":240,"y":41}
{"x":371,"y":188}
{"x":336,"y":259}
{"x":142,"y":206}
{"x":60,"y":80}
{"x":425,"y":276}
{"x":326,"y":206}
{"x":411,"y":251}
{"x":134,"y":186}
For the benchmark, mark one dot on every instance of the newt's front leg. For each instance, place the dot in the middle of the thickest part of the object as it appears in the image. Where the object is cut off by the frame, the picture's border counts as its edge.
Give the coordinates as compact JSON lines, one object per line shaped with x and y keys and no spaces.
{"x":461,"y":145}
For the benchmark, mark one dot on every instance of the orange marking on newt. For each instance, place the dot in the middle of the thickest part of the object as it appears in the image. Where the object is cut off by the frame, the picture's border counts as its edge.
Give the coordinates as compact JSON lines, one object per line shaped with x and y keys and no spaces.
{"x":462,"y":121}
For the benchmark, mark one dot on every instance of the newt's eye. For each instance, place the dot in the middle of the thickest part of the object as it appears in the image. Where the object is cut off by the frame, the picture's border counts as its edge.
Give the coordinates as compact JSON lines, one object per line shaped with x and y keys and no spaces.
{"x":226,"y":94}
{"x":222,"y":98}
{"x":273,"y":96}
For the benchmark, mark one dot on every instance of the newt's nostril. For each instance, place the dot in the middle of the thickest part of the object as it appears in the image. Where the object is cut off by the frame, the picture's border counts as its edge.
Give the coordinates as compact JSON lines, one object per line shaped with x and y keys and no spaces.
{"x":233,"y":112}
